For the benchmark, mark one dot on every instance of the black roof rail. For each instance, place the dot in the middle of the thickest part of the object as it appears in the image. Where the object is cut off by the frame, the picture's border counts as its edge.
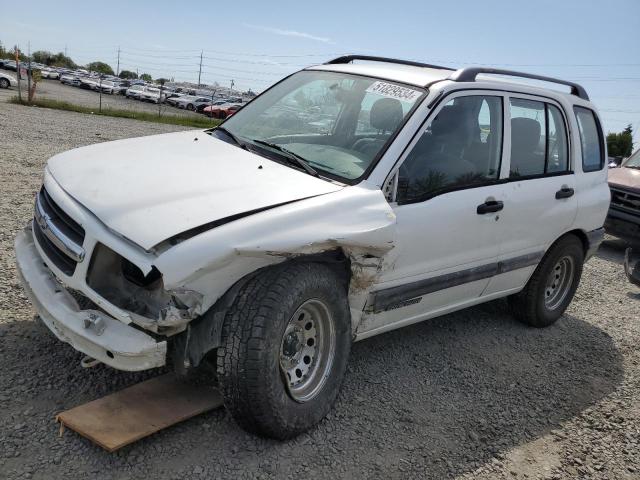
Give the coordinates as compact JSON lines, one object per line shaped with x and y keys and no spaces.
{"x":469,"y":74}
{"x":351,"y":58}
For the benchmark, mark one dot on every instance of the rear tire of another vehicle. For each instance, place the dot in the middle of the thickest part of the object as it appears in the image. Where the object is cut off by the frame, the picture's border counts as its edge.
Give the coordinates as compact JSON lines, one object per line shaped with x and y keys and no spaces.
{"x":4,"y":83}
{"x":552,"y":285}
{"x":190,"y":107}
{"x":286,"y":342}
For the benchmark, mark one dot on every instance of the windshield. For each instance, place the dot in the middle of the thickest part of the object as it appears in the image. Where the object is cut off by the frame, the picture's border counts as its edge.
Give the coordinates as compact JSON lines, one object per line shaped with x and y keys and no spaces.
{"x":633,"y":161}
{"x":338,"y":123}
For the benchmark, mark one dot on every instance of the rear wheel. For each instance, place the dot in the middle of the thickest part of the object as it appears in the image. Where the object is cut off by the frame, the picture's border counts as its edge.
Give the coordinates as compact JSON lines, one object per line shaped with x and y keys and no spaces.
{"x":4,"y":83}
{"x":190,"y":106}
{"x":552,"y":286}
{"x":285,"y":349}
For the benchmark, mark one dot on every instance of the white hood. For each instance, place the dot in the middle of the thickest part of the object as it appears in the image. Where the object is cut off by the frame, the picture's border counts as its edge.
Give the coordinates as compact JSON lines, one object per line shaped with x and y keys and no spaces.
{"x":151,"y":188}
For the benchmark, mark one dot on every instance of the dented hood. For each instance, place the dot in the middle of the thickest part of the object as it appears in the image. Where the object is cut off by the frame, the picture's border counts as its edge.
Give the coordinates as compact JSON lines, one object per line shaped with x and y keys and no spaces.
{"x":151,"y":188}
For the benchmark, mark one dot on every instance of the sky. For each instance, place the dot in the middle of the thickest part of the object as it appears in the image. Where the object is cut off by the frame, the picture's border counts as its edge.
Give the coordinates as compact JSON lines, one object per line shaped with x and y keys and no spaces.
{"x":256,"y":43}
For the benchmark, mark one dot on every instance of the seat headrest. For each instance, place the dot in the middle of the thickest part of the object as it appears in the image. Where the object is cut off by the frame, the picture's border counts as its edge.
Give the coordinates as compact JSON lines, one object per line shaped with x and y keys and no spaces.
{"x":386,"y":114}
{"x":451,"y":119}
{"x":525,"y":134}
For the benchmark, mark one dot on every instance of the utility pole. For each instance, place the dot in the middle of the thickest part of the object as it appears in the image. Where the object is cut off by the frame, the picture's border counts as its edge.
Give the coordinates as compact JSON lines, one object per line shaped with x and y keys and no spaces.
{"x":65,"y":50}
{"x":231,"y":89}
{"x":160,"y":97}
{"x":118,"y":67}
{"x":100,"y":90}
{"x":17,"y":52}
{"x":200,"y":71}
{"x":29,"y":72}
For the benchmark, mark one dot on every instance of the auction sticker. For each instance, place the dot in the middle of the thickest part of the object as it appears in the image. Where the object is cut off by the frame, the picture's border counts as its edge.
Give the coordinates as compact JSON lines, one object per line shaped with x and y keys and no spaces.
{"x":394,"y":91}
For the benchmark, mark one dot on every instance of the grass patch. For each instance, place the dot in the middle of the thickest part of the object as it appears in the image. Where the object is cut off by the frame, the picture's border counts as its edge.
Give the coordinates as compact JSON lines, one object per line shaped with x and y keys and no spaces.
{"x":195,"y":122}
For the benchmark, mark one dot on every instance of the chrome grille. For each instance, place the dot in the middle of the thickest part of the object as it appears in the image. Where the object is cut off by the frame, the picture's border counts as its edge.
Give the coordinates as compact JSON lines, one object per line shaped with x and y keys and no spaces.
{"x":625,"y":200}
{"x":59,"y":236}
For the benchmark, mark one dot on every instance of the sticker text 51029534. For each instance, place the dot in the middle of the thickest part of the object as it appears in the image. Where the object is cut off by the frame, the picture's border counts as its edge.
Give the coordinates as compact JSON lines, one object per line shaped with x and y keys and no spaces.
{"x":394,"y":91}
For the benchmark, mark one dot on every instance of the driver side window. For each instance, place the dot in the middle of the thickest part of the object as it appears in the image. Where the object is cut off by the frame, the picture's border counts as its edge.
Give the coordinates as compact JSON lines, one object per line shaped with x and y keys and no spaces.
{"x":461,"y":148}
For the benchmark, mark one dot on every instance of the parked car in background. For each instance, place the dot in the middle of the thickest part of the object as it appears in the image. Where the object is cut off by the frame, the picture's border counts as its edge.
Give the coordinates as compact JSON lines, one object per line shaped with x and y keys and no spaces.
{"x":89,"y":83}
{"x":7,"y":81}
{"x":70,"y":79}
{"x":134,"y":91}
{"x":49,"y":73}
{"x":191,"y":103}
{"x":109,"y":86}
{"x":221,"y":111}
{"x":152,"y":94}
{"x":216,"y":103}
{"x":623,"y":219}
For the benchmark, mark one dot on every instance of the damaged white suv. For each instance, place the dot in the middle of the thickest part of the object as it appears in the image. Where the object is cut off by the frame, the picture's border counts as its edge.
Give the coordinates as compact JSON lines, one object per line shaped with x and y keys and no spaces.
{"x":349,"y":199}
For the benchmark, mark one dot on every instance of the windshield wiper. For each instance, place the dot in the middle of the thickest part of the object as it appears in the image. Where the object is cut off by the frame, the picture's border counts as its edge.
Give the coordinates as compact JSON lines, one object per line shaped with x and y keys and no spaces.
{"x":232,"y":137}
{"x":300,"y":161}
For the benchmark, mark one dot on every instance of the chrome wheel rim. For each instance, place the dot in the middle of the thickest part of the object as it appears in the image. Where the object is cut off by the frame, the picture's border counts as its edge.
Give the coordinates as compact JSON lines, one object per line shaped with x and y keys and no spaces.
{"x":559,"y":283}
{"x":307,"y":350}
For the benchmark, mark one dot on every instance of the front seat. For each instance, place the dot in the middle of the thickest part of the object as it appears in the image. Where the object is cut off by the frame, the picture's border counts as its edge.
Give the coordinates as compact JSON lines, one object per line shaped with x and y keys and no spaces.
{"x":525,"y":142}
{"x":385,"y":116}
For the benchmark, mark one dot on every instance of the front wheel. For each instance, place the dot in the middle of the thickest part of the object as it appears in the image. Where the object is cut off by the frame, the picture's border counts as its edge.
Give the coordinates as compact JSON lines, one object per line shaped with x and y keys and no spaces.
{"x":285,"y":348}
{"x":4,"y":83}
{"x":552,"y":285}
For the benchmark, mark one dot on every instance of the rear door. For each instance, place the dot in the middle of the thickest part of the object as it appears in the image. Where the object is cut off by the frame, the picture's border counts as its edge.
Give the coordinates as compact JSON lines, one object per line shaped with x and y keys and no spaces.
{"x":539,"y":196}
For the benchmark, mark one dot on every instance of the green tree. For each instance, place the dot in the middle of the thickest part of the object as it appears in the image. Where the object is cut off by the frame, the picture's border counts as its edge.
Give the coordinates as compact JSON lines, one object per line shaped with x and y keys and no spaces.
{"x":161,"y":80}
{"x":100,"y":67}
{"x":127,"y":74}
{"x":53,"y":59}
{"x":146,"y":77}
{"x":620,"y":144}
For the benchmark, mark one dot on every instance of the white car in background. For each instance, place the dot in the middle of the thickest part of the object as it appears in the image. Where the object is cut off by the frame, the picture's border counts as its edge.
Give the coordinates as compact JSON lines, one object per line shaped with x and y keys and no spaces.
{"x":108,"y":86}
{"x":190,"y":102}
{"x":152,"y":94}
{"x":49,"y":73}
{"x":7,"y":81}
{"x":70,"y":79}
{"x":135,"y":91}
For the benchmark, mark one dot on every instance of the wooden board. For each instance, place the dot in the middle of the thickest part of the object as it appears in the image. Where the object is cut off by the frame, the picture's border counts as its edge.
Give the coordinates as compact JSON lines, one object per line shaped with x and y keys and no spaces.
{"x":138,"y":411}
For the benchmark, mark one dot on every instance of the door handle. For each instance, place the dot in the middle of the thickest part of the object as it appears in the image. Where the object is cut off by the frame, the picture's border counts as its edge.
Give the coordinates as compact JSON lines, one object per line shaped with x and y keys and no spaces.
{"x":564,"y":192}
{"x":490,"y":206}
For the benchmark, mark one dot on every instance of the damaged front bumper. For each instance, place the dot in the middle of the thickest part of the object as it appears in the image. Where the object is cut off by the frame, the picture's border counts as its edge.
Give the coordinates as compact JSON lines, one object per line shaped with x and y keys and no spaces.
{"x":91,"y":332}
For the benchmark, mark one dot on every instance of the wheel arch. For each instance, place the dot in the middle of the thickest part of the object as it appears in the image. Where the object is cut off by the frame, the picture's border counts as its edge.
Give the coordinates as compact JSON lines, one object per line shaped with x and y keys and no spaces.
{"x":204,"y":334}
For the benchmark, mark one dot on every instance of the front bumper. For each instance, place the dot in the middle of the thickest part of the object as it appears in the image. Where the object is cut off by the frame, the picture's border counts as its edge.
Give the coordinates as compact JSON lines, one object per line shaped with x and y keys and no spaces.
{"x":622,"y":224}
{"x":107,"y":340}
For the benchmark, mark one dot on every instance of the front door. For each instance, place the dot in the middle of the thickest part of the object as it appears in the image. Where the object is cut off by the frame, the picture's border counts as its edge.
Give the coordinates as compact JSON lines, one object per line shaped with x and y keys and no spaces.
{"x":448,"y":204}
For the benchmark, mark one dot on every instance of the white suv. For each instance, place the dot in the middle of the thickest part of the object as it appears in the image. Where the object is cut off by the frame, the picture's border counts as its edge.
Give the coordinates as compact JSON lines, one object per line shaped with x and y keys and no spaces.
{"x":349,"y":199}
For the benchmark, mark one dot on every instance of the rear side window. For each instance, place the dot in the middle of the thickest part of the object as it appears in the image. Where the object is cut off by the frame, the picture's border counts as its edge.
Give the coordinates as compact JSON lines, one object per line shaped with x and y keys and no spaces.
{"x":528,"y":138}
{"x":590,"y":140}
{"x":539,"y":144}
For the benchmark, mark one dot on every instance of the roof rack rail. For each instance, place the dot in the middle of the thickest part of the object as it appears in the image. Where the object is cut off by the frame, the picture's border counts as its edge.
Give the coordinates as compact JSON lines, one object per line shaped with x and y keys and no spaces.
{"x":469,"y":74}
{"x":351,"y":58}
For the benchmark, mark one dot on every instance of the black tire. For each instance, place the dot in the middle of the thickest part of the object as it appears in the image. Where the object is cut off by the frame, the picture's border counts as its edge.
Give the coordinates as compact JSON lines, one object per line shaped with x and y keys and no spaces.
{"x":4,"y":83}
{"x":533,"y":305}
{"x":254,"y":387}
{"x":190,"y":107}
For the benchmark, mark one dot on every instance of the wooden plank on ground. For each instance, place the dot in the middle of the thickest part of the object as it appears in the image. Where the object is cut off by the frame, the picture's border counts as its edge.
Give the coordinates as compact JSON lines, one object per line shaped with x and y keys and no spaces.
{"x":140,"y":410}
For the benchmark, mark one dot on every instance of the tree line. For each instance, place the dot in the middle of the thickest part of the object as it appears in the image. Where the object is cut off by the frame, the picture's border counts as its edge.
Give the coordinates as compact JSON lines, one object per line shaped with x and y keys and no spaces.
{"x":59,"y":59}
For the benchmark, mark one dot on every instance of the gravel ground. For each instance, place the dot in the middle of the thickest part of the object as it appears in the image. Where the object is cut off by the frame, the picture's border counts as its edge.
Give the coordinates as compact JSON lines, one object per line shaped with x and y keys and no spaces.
{"x":57,"y":91}
{"x":469,"y":395}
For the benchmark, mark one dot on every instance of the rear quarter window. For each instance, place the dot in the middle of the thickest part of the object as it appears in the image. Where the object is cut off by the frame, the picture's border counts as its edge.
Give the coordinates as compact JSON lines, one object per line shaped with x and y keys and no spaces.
{"x":591,"y":140}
